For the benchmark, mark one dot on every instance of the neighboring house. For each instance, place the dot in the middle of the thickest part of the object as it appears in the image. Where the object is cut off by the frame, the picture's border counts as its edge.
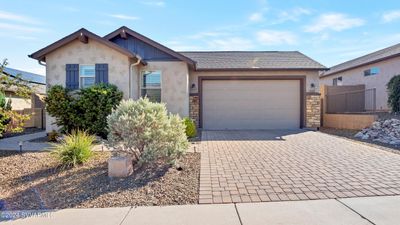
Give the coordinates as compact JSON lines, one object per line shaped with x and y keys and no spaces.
{"x":36,"y":81}
{"x":373,"y":70}
{"x":219,"y":90}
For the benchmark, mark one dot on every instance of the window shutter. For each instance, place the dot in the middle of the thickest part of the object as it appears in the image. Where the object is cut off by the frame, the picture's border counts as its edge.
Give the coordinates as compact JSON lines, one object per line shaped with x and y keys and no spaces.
{"x":101,"y":73}
{"x":72,"y":76}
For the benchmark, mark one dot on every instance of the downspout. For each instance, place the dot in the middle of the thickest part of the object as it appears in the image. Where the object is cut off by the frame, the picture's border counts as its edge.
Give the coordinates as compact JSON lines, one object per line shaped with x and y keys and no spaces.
{"x":130,"y":75}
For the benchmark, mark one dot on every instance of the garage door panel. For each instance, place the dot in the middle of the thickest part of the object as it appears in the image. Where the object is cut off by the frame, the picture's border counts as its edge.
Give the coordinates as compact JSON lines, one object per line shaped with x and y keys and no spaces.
{"x":245,"y":104}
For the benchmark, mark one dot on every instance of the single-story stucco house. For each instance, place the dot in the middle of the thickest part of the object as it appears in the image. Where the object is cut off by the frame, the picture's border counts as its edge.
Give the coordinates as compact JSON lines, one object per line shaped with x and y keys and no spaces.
{"x":373,"y":70}
{"x":219,"y":90}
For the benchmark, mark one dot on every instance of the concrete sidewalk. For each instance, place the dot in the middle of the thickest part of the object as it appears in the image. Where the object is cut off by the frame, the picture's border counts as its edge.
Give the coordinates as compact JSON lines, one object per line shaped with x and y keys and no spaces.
{"x":350,"y":211}
{"x":12,"y":143}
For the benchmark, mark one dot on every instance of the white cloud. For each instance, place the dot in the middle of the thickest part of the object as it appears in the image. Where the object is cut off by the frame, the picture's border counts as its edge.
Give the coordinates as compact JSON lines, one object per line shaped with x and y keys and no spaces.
{"x":17,"y":18}
{"x":256,"y":17}
{"x":179,"y":46}
{"x":229,"y":44}
{"x":391,"y":16}
{"x":154,"y":3}
{"x":293,"y":14}
{"x":124,"y":17}
{"x":335,"y":22}
{"x":207,"y":34}
{"x":274,"y":37}
{"x":15,"y":27}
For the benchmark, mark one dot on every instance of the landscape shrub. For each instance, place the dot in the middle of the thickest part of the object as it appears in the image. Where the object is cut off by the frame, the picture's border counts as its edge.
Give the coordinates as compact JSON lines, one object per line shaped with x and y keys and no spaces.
{"x":11,"y":121}
{"x":74,"y":149}
{"x":191,"y":130}
{"x":146,"y":131}
{"x":86,"y":109}
{"x":4,"y":117}
{"x":393,"y":88}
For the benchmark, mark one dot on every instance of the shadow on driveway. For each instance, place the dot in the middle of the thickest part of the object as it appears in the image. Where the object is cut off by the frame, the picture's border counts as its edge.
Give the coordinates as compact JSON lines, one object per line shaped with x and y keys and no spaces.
{"x":248,"y":135}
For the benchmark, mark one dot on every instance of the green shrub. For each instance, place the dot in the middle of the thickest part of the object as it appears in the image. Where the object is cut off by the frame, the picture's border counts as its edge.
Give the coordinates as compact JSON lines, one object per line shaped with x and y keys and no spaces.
{"x":2,"y":100}
{"x":393,"y":88}
{"x":146,"y":131}
{"x":74,"y":149}
{"x":86,"y":109}
{"x":191,"y":131}
{"x":8,"y":105}
{"x":4,"y":117}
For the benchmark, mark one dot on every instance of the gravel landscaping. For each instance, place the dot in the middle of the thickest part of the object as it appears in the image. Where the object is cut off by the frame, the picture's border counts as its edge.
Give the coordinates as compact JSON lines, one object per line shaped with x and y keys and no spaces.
{"x":35,"y":181}
{"x":350,"y":135}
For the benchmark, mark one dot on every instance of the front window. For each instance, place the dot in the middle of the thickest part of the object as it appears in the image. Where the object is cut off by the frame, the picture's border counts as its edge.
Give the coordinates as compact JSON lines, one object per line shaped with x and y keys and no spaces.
{"x":337,"y":81}
{"x":86,"y":75}
{"x":151,"y":85}
{"x":371,"y":72}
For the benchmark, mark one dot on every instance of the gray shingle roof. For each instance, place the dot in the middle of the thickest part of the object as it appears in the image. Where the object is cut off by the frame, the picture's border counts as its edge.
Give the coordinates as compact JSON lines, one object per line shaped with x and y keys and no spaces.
{"x":215,"y":60}
{"x":377,"y":56}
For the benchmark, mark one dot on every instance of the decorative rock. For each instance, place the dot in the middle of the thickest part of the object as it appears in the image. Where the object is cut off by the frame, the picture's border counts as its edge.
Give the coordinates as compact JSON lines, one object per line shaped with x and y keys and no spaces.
{"x":365,"y":137}
{"x":120,"y":166}
{"x":386,"y":131}
{"x":359,"y":134}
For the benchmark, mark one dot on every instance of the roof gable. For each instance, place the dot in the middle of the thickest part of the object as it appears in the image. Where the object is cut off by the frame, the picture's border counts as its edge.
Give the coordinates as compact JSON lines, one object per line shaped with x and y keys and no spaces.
{"x":84,"y":36}
{"x":147,"y":48}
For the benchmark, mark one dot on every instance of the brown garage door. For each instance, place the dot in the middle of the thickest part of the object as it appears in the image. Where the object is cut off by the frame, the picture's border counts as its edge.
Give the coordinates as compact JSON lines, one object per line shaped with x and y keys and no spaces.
{"x":251,"y":104}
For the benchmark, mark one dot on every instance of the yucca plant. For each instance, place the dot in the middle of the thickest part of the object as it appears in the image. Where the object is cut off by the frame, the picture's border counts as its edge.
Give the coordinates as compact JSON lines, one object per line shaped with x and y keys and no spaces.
{"x":74,"y":149}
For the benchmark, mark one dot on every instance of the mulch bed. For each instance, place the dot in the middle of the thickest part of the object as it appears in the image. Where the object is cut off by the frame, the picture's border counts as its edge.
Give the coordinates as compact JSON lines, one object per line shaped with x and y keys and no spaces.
{"x":349,"y":134}
{"x":36,"y":181}
{"x":25,"y":131}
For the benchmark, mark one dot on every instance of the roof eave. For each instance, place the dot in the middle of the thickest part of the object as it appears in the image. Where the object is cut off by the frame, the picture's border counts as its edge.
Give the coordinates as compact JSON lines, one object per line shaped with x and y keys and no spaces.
{"x":360,"y":65}
{"x":258,"y":69}
{"x":41,"y":54}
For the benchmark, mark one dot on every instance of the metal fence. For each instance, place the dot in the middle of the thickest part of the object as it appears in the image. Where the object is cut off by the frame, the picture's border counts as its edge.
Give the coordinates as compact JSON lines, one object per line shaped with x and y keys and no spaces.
{"x":351,"y":101}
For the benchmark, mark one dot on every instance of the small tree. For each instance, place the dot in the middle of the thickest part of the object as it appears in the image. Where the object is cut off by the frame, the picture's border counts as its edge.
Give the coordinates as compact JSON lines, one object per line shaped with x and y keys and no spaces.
{"x":146,"y":131}
{"x":11,"y":121}
{"x":393,"y":88}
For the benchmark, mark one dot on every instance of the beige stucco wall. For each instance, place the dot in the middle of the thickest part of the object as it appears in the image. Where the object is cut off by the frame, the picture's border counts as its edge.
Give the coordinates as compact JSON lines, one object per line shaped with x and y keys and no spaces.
{"x":175,"y":75}
{"x":18,"y":103}
{"x":388,"y":69}
{"x":94,"y":52}
{"x":174,"y":85}
{"x":311,"y":76}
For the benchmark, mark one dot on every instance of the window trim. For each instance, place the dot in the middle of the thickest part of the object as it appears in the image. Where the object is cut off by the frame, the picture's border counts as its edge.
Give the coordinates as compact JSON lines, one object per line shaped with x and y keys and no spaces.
{"x":142,"y":72}
{"x":86,"y":76}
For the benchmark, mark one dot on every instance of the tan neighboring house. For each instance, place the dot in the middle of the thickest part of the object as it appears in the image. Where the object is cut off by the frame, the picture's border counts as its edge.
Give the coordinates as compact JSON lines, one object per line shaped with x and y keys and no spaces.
{"x":36,"y":81}
{"x":219,"y":90}
{"x":373,"y":70}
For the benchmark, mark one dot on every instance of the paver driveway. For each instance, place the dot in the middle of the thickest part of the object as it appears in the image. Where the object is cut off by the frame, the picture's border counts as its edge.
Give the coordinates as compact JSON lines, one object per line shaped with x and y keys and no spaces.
{"x":254,"y":166}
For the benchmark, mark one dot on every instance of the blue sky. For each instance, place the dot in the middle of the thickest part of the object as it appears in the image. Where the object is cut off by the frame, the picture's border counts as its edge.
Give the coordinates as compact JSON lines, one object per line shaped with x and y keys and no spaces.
{"x":328,"y":31}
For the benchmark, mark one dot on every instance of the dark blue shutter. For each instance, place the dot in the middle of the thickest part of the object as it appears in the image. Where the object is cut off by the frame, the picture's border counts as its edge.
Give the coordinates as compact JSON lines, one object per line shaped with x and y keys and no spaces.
{"x":101,"y":73}
{"x":72,"y":76}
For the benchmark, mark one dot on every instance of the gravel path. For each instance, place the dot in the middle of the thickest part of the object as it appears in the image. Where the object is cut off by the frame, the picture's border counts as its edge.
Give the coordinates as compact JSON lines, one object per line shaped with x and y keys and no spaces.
{"x":34,"y":181}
